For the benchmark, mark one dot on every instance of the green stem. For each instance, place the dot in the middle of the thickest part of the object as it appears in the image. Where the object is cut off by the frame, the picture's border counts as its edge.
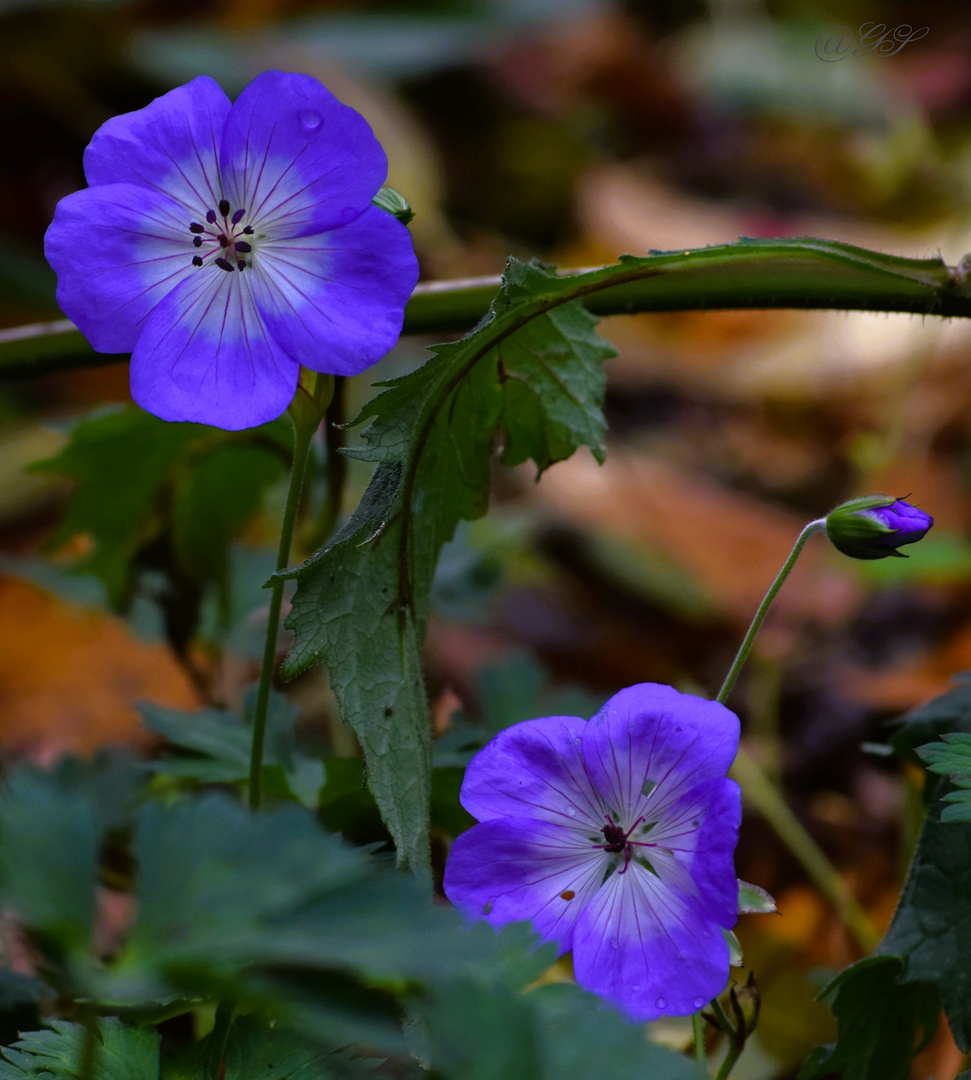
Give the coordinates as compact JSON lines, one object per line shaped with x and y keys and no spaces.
{"x":219,"y":1037}
{"x":698,"y":1030}
{"x":767,"y":800}
{"x":723,"y":1019}
{"x":734,"y":1052}
{"x":302,"y":435}
{"x":746,"y":647}
{"x":89,"y":1048}
{"x":751,"y":274}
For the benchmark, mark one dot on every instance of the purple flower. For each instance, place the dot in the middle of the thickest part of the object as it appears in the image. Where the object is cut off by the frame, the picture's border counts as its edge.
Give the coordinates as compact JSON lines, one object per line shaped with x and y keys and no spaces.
{"x":615,"y":838}
{"x":224,"y":245}
{"x":874,"y":526}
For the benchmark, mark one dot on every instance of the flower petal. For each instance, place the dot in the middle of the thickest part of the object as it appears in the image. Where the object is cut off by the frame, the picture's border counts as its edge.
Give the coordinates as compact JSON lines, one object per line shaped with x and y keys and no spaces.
{"x":520,"y":869}
{"x":296,"y":159}
{"x":638,"y":944}
{"x":649,"y":745}
{"x":171,"y":146}
{"x":117,"y":251}
{"x":534,"y":769}
{"x":700,"y":833}
{"x":335,"y":300}
{"x":205,"y":356}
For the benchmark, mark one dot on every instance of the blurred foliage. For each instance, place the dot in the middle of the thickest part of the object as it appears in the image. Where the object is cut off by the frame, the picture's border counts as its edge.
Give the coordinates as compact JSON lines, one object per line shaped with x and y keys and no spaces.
{"x":572,"y":131}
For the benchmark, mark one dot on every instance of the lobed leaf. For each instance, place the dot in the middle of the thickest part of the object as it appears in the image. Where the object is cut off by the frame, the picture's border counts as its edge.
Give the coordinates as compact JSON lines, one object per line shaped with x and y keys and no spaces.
{"x":530,"y":375}
{"x":882,"y":1021}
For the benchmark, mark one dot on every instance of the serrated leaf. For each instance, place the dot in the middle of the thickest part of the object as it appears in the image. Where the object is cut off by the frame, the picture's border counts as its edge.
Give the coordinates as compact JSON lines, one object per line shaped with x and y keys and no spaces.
{"x":123,"y":1053}
{"x":882,"y":1023}
{"x":931,"y":929}
{"x":531,"y":373}
{"x":951,"y":757}
{"x":754,"y":900}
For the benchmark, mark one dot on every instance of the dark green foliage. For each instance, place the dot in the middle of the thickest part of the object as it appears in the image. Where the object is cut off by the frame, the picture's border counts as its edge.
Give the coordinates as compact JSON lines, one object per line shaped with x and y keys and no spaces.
{"x":157,"y":495}
{"x":951,"y":757}
{"x":931,"y":929}
{"x":213,"y":747}
{"x":122,"y":1053}
{"x":948,"y":713}
{"x":531,"y":375}
{"x":882,"y":1023}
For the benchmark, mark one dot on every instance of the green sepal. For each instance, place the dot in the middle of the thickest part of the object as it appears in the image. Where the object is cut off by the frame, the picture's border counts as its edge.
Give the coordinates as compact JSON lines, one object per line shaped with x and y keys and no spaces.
{"x":851,"y":529}
{"x":394,"y":203}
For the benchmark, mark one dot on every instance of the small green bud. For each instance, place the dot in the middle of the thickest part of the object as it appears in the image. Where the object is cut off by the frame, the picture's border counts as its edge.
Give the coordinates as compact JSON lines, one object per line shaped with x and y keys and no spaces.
{"x":875,"y":526}
{"x":395,"y":203}
{"x":310,"y":402}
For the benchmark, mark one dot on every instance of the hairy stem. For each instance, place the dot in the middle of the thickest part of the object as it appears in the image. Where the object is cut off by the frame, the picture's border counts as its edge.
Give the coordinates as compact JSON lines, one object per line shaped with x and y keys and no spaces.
{"x":302,"y":435}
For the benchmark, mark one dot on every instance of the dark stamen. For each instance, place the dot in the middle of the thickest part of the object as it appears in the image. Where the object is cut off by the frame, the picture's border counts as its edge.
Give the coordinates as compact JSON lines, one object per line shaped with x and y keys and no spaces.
{"x":248,"y":230}
{"x":211,"y":217}
{"x":196,"y":260}
{"x":197,"y":240}
{"x":241,"y":265}
{"x":238,"y":216}
{"x":242,"y":246}
{"x":224,"y":207}
{"x":196,"y":227}
{"x":223,"y":240}
{"x":224,"y":264}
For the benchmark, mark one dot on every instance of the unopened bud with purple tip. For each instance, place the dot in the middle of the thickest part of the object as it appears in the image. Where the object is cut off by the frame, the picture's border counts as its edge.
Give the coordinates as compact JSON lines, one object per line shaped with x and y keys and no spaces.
{"x":875,"y":526}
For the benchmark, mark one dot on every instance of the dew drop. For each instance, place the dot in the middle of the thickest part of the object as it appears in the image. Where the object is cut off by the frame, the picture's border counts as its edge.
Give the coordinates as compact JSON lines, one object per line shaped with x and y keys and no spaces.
{"x":661,"y":1003}
{"x":572,"y":811}
{"x":699,"y":1003}
{"x":635,"y":987}
{"x":309,"y":120}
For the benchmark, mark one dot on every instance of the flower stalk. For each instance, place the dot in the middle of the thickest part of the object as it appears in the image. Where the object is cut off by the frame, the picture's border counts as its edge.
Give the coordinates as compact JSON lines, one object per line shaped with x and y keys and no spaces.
{"x":310,"y":403}
{"x":765,"y":797}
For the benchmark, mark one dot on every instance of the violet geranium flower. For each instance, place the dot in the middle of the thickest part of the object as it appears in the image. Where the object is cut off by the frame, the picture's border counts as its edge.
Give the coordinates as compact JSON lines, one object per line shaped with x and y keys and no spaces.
{"x":224,"y":245}
{"x":615,"y":837}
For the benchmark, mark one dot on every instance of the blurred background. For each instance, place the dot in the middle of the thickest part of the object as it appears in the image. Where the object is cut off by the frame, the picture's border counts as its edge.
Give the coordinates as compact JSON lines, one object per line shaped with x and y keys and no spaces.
{"x":574,"y":130}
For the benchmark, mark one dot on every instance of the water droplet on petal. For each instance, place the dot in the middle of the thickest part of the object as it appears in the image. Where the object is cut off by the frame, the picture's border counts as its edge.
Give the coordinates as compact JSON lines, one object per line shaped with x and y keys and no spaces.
{"x":699,"y":1003}
{"x":572,"y":811}
{"x":683,"y":957}
{"x":635,"y":987}
{"x":661,"y":1003}
{"x":309,"y":120}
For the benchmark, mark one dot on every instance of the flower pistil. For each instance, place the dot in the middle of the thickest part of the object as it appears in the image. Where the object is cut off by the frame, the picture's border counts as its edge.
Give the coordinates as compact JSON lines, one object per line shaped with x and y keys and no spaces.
{"x":223,"y":237}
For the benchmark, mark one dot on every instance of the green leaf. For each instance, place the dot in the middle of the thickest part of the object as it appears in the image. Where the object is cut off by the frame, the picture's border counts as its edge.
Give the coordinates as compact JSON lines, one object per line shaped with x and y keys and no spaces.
{"x":141,"y":479}
{"x":951,"y":757}
{"x":754,"y":900}
{"x":120,"y":460}
{"x":213,"y":500}
{"x":931,"y":929}
{"x":479,"y":1032}
{"x":123,"y":1053}
{"x":214,"y":747}
{"x":256,"y":1051}
{"x":269,"y":909}
{"x":531,"y":374}
{"x":945,"y":714}
{"x":882,"y":1023}
{"x":49,"y":844}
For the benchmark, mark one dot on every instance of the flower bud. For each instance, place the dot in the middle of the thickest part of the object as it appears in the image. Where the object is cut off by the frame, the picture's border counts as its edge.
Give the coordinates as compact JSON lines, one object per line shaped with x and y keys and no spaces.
{"x":875,"y":526}
{"x":395,"y":203}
